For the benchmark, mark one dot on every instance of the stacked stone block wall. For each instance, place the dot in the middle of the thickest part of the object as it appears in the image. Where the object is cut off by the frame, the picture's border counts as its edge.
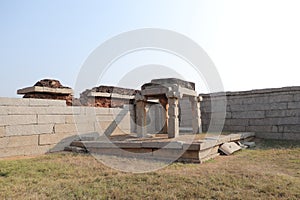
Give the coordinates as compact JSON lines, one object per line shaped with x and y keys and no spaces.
{"x":37,"y":126}
{"x":270,"y":113}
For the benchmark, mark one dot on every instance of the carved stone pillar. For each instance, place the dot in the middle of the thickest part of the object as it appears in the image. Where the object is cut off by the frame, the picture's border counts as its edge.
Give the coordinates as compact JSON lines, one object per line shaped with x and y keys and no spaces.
{"x":173,"y":121}
{"x":196,"y":114}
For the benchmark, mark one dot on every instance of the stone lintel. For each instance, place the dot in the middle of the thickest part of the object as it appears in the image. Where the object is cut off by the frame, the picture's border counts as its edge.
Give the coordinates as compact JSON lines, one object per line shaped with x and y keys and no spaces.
{"x":110,"y":95}
{"x":154,"y":91}
{"x":175,"y":81}
{"x":38,"y":89}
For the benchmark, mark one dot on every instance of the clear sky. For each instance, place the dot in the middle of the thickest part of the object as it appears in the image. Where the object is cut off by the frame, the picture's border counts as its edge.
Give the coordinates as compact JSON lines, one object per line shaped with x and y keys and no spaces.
{"x":253,"y":43}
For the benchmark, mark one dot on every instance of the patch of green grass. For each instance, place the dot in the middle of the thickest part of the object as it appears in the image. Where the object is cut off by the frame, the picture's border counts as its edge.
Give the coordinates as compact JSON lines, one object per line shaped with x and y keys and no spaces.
{"x":270,"y":171}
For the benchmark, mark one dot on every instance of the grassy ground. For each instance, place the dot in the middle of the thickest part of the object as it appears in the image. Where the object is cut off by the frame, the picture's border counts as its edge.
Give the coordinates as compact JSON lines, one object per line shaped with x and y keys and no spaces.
{"x":270,"y":171}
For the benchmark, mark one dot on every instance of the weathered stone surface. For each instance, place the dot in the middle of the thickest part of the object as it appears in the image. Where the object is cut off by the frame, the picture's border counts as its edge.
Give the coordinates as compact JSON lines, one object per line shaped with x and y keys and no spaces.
{"x":24,"y":151}
{"x":2,"y":131}
{"x":276,"y":113}
{"x":179,"y":82}
{"x":14,"y":102}
{"x":65,"y":138}
{"x":48,"y":89}
{"x":292,"y":128}
{"x":259,"y":128}
{"x":229,"y":148}
{"x":250,"y":144}
{"x":51,"y":83}
{"x":237,"y":122}
{"x":50,"y":119}
{"x":166,"y":145}
{"x":111,"y":96}
{"x":28,"y":129}
{"x":17,"y":120}
{"x":294,"y":105}
{"x":269,"y":135}
{"x":235,"y":128}
{"x":46,"y":102}
{"x":249,"y":114}
{"x":291,"y":136}
{"x":19,"y":141}
{"x":74,"y":128}
{"x":280,"y":98}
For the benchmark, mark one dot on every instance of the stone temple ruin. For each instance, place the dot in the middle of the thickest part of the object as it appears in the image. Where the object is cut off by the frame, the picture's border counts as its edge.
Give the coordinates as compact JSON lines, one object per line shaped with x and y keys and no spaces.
{"x":165,"y":119}
{"x":168,"y":92}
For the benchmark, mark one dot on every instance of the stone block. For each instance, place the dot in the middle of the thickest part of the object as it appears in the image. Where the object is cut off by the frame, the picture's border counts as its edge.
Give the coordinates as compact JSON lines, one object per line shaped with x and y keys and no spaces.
{"x":2,"y":131}
{"x":259,"y":107}
{"x":249,"y":114}
{"x":291,"y":128}
{"x":293,"y":113}
{"x":13,"y":102}
{"x":7,"y":120}
{"x":204,"y":153}
{"x":263,"y":122}
{"x":60,"y":111}
{"x":75,"y":128}
{"x":165,"y":145}
{"x":19,"y":110}
{"x":167,"y":154}
{"x":29,"y":129}
{"x":40,"y":89}
{"x":296,"y":96}
{"x":136,"y":153}
{"x":259,"y":128}
{"x":268,"y":135}
{"x":24,"y":151}
{"x":280,"y":98}
{"x":234,"y":128}
{"x":47,"y":102}
{"x":255,"y":100}
{"x":3,"y":110}
{"x":276,"y":113}
{"x":66,"y":138}
{"x":229,"y":148}
{"x":293,"y":105}
{"x":19,"y":141}
{"x":277,"y":106}
{"x":102,"y":111}
{"x":51,"y":119}
{"x":288,"y":121}
{"x":81,"y":119}
{"x":291,"y":136}
{"x":236,"y":122}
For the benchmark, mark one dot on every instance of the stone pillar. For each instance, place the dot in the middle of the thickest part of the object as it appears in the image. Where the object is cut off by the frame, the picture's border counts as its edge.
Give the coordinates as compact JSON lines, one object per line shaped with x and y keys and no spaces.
{"x":196,"y":114}
{"x":164,"y":102}
{"x":141,"y":118}
{"x":173,"y":121}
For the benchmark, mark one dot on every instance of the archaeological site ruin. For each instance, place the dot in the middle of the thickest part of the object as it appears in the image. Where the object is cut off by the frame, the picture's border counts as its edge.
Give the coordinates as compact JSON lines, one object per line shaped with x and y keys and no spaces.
{"x":165,"y":119}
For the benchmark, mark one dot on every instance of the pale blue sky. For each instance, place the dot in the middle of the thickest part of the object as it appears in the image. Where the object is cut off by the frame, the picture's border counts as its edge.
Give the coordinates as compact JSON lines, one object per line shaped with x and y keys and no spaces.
{"x":253,"y":43}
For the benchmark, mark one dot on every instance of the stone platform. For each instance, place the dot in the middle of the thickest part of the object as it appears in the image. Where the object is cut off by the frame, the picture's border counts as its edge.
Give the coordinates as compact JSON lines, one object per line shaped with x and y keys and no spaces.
{"x":185,"y":148}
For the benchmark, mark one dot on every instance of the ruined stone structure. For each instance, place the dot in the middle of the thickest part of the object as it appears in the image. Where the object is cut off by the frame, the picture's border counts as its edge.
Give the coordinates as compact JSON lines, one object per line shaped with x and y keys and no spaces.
{"x":107,"y":97}
{"x":31,"y":126}
{"x":168,"y":92}
{"x":48,"y":89}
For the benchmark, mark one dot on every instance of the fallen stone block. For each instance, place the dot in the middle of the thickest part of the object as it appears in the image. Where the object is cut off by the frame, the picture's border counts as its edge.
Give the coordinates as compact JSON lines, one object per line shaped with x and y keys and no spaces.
{"x":250,"y":144}
{"x":229,"y":148}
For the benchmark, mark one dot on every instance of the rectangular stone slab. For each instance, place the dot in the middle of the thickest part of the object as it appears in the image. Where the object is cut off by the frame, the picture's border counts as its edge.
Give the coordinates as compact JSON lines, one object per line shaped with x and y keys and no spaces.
{"x":179,"y":82}
{"x":229,"y":148}
{"x":45,"y":90}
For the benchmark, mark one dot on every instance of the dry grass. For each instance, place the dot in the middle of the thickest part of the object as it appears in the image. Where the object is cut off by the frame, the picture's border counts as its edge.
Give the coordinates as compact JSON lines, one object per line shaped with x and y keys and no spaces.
{"x":271,"y":171}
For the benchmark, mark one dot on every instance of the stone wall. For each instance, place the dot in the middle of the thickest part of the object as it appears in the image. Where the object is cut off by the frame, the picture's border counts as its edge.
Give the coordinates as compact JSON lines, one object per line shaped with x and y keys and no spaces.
{"x":37,"y":126}
{"x":270,"y":113}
